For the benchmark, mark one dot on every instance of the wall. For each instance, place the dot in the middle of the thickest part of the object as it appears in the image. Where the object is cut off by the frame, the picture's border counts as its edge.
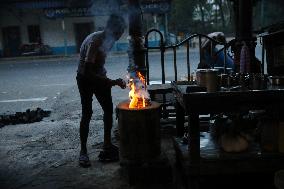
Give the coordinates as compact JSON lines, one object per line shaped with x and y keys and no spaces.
{"x":52,"y":33}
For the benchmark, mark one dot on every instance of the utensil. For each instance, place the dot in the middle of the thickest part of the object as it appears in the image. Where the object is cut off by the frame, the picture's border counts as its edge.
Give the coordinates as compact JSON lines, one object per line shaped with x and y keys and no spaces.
{"x":276,"y":80}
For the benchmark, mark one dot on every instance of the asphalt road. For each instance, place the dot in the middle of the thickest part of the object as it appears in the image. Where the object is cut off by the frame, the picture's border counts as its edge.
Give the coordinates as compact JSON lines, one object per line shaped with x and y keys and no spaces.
{"x":45,"y":154}
{"x":33,"y":84}
{"x":39,"y":83}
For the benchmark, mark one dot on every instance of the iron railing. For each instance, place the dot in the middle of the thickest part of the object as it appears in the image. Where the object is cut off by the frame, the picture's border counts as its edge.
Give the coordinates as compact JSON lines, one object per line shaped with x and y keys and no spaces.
{"x":162,"y":47}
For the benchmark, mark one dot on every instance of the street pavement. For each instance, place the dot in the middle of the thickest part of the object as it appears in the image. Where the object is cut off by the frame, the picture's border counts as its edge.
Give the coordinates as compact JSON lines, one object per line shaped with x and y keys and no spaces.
{"x":38,"y":83}
{"x":45,"y":154}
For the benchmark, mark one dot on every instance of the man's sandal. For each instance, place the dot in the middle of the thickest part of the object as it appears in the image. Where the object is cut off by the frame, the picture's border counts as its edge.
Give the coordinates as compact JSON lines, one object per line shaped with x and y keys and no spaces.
{"x":109,"y":154}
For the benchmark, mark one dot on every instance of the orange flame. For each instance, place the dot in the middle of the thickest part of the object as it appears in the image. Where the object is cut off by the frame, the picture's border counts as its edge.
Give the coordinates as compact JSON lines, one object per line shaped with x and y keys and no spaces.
{"x":139,"y":97}
{"x":142,"y":78}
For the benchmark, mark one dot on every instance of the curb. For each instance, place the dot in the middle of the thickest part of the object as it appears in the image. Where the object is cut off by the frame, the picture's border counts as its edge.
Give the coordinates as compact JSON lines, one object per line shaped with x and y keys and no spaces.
{"x":48,"y":57}
{"x":72,"y":56}
{"x":37,"y":57}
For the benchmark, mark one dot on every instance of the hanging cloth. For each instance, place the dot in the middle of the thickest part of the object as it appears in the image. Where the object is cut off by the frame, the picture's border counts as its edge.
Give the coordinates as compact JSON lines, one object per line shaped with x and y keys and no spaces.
{"x":245,"y":59}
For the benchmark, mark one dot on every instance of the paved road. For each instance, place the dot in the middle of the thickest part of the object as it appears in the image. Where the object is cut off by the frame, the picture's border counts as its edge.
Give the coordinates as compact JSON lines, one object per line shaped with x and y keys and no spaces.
{"x":45,"y":154}
{"x":33,"y":84}
{"x":38,"y":83}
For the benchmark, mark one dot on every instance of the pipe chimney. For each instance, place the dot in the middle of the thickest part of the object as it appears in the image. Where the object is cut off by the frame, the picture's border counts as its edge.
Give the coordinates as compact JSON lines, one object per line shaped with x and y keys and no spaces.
{"x":136,"y":51}
{"x":243,"y":29}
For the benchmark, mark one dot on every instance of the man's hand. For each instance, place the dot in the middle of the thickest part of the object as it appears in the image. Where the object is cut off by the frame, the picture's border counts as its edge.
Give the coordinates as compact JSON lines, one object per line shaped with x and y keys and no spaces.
{"x":120,"y":83}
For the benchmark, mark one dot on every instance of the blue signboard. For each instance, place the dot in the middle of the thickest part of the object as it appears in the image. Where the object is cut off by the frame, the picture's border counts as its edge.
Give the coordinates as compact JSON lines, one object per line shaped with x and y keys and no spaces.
{"x":98,"y":8}
{"x":106,"y":7}
{"x":68,"y":12}
{"x":156,"y":6}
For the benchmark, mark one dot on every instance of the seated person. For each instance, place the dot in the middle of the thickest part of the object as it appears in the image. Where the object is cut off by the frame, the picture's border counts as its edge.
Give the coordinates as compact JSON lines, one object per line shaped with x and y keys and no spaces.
{"x":211,"y":58}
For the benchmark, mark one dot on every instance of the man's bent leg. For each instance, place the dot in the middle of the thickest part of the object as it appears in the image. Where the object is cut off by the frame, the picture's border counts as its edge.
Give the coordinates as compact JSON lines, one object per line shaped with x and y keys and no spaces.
{"x":84,"y":131}
{"x":86,"y":100}
{"x":107,"y":128}
{"x":110,"y":152}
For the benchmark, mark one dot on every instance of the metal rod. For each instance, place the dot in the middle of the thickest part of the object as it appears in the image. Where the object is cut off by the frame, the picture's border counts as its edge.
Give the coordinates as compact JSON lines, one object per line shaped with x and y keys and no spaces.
{"x":187,"y":61}
{"x":136,"y":53}
{"x":163,"y":62}
{"x":65,"y":36}
{"x":175,"y":62}
{"x":199,"y":39}
{"x":225,"y":59}
{"x":161,"y":48}
{"x":211,"y":52}
{"x":147,"y":61}
{"x":166,"y":28}
{"x":262,"y":57}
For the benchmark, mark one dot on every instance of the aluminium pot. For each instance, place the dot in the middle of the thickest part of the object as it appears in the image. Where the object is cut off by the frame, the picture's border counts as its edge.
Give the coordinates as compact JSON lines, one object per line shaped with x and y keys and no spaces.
{"x":276,"y":80}
{"x":208,"y":78}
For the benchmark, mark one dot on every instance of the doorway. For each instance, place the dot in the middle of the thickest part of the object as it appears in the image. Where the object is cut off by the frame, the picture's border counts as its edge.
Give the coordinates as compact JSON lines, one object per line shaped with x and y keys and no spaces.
{"x":34,"y":34}
{"x":11,"y":41}
{"x":81,"y":32}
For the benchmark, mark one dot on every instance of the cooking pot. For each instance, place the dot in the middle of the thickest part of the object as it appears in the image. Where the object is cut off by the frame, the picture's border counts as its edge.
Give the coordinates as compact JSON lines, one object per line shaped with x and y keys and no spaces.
{"x":258,"y":81}
{"x":201,"y":77}
{"x":276,"y":80}
{"x":207,"y":78}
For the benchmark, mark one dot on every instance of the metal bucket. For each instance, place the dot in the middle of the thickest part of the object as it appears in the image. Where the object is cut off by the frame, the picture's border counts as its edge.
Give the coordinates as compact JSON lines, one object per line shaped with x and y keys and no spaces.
{"x":208,"y":78}
{"x":276,"y":80}
{"x":201,"y":77}
{"x":139,"y":131}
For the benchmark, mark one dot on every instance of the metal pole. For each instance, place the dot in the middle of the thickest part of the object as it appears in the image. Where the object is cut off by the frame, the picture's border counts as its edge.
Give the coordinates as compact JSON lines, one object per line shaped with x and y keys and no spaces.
{"x":156,"y":26}
{"x":262,"y":56}
{"x":187,"y":61}
{"x":225,"y":59}
{"x":245,"y":26}
{"x":136,"y":51}
{"x":64,"y":36}
{"x":200,"y":53}
{"x":175,"y":62}
{"x":245,"y":20}
{"x":166,"y":28}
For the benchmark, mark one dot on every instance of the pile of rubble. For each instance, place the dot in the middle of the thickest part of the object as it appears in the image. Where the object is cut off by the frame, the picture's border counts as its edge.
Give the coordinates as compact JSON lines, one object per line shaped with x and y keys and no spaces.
{"x":29,"y":116}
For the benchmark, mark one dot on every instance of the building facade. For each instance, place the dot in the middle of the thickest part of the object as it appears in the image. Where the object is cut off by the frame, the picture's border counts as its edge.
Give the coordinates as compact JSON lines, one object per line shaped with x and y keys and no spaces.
{"x":58,"y":26}
{"x":39,"y":27}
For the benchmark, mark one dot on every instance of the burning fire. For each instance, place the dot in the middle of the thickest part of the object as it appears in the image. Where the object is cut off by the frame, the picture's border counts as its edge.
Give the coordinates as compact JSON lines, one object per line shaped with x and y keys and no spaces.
{"x":139,"y":96}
